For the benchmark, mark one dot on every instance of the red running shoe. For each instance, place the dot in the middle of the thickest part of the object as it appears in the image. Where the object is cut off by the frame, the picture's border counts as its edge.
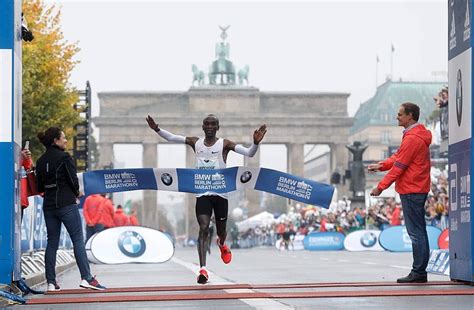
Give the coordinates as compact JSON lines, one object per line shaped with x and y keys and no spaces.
{"x":203,"y":277}
{"x":226,"y":255}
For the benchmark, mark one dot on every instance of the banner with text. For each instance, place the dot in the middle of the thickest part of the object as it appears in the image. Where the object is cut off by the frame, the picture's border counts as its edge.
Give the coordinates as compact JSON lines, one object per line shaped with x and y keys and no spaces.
{"x":200,"y":181}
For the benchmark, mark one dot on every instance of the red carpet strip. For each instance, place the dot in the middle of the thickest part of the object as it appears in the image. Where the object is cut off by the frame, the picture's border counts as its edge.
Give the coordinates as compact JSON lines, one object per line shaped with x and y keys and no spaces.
{"x":251,"y":295}
{"x":211,"y":287}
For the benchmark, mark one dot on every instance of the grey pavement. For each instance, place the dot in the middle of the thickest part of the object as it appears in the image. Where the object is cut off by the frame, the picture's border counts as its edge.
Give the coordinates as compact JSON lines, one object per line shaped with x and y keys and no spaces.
{"x":265,"y":266}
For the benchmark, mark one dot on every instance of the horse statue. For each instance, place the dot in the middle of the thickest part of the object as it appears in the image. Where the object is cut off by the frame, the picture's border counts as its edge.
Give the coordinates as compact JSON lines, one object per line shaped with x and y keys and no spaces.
{"x":244,"y":75}
{"x":198,"y":76}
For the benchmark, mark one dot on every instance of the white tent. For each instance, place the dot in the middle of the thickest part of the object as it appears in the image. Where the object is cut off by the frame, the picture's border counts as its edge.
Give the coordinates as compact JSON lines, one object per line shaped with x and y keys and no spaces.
{"x":264,"y":218}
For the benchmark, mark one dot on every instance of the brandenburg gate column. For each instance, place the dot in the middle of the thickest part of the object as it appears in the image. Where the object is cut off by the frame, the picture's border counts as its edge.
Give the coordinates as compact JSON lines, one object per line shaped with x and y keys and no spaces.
{"x":150,"y":204}
{"x":106,"y":157}
{"x":253,"y":196}
{"x":296,"y":160}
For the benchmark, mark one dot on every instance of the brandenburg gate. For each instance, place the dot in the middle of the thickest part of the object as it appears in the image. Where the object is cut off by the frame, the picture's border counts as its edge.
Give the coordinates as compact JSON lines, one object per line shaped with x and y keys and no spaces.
{"x":292,"y":118}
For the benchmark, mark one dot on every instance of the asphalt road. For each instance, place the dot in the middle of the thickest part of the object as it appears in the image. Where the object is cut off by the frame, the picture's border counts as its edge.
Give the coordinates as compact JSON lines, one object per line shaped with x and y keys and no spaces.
{"x":265,"y":266}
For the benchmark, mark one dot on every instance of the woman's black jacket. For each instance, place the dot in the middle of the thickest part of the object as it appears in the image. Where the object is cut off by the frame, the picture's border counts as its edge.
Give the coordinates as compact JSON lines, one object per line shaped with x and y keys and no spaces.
{"x":57,"y":178}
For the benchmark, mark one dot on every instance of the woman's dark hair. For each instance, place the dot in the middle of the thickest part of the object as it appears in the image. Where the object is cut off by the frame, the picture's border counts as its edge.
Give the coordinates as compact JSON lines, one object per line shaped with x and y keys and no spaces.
{"x":47,"y":138}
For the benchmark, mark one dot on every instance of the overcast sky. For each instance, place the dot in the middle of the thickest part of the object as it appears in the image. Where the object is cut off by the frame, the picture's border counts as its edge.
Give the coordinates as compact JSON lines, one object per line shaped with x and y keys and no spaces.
{"x":289,"y":46}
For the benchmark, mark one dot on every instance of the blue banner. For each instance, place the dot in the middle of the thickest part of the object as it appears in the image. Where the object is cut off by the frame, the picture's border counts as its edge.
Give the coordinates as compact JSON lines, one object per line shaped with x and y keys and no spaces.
{"x":198,"y":181}
{"x":396,"y":239}
{"x":118,"y":180}
{"x":324,"y":241}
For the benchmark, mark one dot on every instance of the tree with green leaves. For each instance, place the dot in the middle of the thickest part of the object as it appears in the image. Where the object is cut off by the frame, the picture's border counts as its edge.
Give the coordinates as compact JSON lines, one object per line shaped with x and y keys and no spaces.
{"x":48,"y":98}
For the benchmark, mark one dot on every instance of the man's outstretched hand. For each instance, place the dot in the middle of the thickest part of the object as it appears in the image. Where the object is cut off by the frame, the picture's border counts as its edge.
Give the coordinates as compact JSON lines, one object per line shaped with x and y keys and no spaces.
{"x":151,"y":123}
{"x":259,"y":134}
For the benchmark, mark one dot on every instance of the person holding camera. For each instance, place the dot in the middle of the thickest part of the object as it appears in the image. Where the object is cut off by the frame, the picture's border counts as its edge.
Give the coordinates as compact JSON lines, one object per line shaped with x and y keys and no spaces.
{"x":57,"y":178}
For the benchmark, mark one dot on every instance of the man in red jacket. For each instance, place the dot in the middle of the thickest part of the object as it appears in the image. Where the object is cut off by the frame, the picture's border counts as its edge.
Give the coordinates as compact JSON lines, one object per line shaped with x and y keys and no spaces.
{"x":410,"y":170}
{"x":133,"y":220}
{"x":105,"y":215}
{"x":120,"y":218}
{"x":91,"y":211}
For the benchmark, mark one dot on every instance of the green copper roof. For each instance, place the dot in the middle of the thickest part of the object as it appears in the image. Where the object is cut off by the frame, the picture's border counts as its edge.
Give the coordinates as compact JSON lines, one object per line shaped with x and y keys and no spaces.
{"x":382,"y":108}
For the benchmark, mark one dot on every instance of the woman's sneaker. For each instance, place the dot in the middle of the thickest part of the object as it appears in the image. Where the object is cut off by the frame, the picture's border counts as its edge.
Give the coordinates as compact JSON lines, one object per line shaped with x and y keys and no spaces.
{"x":92,"y":284}
{"x":53,"y":287}
{"x":226,"y":255}
{"x":203,"y":277}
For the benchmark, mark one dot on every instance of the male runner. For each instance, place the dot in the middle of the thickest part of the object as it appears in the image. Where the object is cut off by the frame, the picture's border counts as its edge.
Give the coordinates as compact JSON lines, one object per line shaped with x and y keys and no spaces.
{"x":211,"y":153}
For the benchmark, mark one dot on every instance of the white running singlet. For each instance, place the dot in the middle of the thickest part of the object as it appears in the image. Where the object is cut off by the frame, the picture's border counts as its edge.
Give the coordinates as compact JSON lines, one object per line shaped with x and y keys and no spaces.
{"x":210,"y":157}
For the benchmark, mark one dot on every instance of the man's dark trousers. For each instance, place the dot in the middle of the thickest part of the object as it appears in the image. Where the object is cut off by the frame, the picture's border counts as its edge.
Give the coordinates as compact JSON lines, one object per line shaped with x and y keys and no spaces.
{"x":413,"y":206}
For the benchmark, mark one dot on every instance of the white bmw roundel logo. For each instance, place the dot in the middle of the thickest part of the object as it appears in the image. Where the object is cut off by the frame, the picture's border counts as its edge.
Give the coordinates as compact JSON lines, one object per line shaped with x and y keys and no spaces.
{"x":246,"y":176}
{"x":167,"y":179}
{"x":368,"y":239}
{"x":131,"y":244}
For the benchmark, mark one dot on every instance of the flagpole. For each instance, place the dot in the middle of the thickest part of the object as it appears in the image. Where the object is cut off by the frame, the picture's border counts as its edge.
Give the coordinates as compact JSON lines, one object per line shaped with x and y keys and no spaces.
{"x":376,"y":72}
{"x":391,"y":62}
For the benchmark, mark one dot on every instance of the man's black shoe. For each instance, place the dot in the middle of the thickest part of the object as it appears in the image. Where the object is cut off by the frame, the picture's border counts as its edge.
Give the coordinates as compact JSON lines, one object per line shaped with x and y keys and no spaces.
{"x":413,"y":278}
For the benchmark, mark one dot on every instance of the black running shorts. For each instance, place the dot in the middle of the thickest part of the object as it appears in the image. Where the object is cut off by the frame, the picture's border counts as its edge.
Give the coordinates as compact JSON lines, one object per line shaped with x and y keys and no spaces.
{"x":205,"y":205}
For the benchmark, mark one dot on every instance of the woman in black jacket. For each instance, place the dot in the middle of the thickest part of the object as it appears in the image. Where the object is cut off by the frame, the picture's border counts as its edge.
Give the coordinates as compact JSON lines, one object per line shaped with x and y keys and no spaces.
{"x":57,"y":178}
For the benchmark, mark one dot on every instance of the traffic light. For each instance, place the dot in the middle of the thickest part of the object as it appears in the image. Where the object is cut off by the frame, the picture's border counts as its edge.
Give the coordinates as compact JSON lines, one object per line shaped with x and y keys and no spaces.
{"x":81,"y":149}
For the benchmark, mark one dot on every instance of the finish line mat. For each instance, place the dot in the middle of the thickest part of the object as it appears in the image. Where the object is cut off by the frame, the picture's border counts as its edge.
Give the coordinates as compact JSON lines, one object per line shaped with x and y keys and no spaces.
{"x":210,"y":287}
{"x":219,"y":293}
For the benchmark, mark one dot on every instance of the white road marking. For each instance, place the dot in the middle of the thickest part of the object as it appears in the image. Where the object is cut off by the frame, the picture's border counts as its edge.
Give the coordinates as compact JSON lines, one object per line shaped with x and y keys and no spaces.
{"x":369,"y":263}
{"x":263,"y":303}
{"x":400,"y":267}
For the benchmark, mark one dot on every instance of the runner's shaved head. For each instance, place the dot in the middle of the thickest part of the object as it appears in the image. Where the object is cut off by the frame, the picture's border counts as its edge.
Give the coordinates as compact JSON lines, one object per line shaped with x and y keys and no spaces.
{"x":211,"y":116}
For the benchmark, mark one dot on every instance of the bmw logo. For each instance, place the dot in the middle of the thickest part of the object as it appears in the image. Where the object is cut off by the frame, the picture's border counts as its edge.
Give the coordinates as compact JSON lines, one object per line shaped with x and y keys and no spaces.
{"x":167,"y":179}
{"x":131,"y":244}
{"x":246,"y":176}
{"x":368,"y":239}
{"x":459,"y":98}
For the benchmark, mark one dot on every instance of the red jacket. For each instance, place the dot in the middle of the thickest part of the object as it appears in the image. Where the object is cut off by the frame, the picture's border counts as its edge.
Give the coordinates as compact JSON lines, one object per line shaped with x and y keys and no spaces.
{"x":120,"y":218}
{"x":105,"y":214}
{"x":91,"y":209}
{"x":395,"y":220}
{"x":410,"y":165}
{"x":27,"y":164}
{"x":133,"y":220}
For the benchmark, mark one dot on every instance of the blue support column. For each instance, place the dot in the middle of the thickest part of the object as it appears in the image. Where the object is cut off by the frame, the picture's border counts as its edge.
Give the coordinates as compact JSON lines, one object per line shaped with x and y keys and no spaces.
{"x":10,"y":139}
{"x":461,"y":240}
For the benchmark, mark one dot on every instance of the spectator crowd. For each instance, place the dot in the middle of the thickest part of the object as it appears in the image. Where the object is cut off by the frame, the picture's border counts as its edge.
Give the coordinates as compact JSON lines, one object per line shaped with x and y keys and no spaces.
{"x":379,"y":215}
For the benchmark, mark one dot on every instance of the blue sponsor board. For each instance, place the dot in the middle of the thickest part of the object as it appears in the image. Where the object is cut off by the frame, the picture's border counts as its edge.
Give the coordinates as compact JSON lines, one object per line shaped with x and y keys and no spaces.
{"x":324,"y":241}
{"x":461,"y":244}
{"x":396,"y":239}
{"x":10,"y":138}
{"x":294,"y":187}
{"x":459,"y":26}
{"x":439,"y":262}
{"x":460,"y":214}
{"x":39,"y":236}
